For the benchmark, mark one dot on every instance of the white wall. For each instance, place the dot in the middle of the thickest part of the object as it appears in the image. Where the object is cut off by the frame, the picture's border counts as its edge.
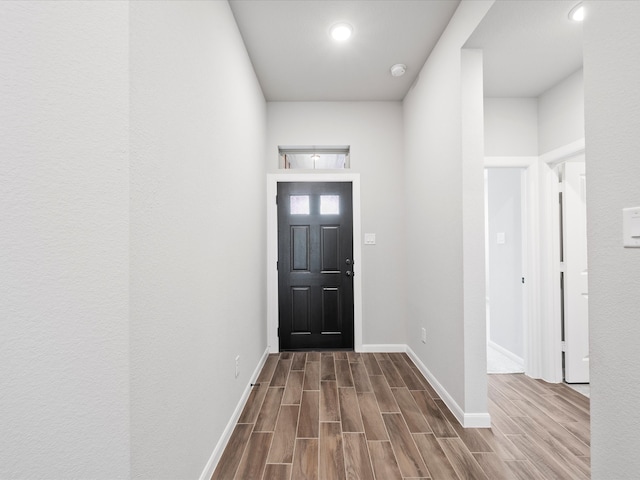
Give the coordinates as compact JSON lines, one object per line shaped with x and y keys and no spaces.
{"x":198,"y":123}
{"x":64,"y":258}
{"x":612,"y":100}
{"x":374,"y":132}
{"x":511,"y":127}
{"x":561,"y":114}
{"x":505,"y":259}
{"x":473,"y":237}
{"x":435,"y":216}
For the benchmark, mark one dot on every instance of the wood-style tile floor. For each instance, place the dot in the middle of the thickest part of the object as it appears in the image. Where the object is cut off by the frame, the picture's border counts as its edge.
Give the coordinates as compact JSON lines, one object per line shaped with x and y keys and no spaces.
{"x":344,"y":415}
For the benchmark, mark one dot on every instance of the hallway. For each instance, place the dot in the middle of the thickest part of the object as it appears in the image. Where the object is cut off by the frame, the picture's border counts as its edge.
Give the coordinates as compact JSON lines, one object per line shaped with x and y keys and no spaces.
{"x":338,"y":415}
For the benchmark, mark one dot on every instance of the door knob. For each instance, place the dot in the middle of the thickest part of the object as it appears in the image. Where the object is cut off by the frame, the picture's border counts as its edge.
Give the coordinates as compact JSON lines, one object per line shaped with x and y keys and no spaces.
{"x":347,"y":261}
{"x":348,"y":273}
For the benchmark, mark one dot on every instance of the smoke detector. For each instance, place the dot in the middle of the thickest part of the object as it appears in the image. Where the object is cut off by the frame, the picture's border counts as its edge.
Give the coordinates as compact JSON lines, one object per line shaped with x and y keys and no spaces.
{"x":398,"y":69}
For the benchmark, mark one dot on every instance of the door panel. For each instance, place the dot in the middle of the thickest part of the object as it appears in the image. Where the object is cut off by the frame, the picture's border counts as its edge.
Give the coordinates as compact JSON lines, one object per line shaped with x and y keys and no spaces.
{"x":315,"y":258}
{"x":331,"y":317}
{"x":300,"y":248}
{"x":329,"y":249}
{"x":301,"y":310}
{"x":576,"y":305}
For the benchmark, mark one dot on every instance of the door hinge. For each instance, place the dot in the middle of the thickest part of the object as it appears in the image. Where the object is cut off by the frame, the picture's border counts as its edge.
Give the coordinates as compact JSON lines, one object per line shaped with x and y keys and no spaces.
{"x":522,"y":279}
{"x":563,"y":346}
{"x":278,"y":332}
{"x":276,"y":199}
{"x":277,"y":265}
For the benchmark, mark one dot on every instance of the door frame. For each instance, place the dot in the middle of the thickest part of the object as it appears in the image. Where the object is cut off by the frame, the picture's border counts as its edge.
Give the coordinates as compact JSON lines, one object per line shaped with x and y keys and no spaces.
{"x":565,"y":266}
{"x":272,"y":249}
{"x":551,"y":262}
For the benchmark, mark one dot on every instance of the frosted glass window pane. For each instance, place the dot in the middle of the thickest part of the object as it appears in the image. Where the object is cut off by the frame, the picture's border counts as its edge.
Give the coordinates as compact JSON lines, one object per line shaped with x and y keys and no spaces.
{"x":299,"y":204}
{"x":329,"y":204}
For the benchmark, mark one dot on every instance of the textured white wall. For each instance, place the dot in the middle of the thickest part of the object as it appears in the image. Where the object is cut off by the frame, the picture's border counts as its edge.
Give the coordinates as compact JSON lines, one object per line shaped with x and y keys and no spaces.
{"x":64,"y":258}
{"x":612,"y":109}
{"x":505,"y":260}
{"x":434,"y":192}
{"x":198,"y":123}
{"x":374,"y":131}
{"x":510,"y":127}
{"x":561,"y":114}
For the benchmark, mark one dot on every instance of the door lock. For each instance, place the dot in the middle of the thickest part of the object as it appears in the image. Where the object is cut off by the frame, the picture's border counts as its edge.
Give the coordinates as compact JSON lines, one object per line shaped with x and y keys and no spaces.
{"x":348,"y":273}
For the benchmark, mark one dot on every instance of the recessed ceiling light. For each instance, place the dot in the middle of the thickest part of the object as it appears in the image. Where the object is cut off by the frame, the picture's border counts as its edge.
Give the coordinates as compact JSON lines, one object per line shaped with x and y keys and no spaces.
{"x":398,"y":69}
{"x":577,"y":13}
{"x":341,"y":32}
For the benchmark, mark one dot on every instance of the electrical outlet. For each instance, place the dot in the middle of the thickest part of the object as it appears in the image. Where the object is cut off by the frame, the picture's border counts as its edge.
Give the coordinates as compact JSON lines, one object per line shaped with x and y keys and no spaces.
{"x":424,"y":335}
{"x":237,"y":366}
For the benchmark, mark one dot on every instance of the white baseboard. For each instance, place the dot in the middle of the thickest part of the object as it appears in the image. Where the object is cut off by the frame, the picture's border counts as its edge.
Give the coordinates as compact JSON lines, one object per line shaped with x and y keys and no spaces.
{"x":207,"y":473}
{"x":477,"y":420}
{"x":510,"y":355}
{"x":384,"y":348}
{"x":467,"y":420}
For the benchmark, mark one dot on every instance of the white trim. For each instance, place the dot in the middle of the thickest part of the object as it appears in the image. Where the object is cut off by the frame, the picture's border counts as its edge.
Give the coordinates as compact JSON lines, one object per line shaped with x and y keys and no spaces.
{"x":211,"y":465}
{"x":384,"y":348}
{"x":477,"y":420}
{"x":532,"y":272}
{"x":551,"y":365}
{"x":550,"y":315}
{"x":558,"y":155}
{"x":467,"y":420}
{"x":509,"y":162}
{"x":510,"y":355}
{"x":272,"y":250}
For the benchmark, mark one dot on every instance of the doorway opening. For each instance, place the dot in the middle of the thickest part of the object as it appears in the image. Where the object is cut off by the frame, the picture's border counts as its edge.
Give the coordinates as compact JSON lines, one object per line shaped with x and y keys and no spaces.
{"x":505,"y":243}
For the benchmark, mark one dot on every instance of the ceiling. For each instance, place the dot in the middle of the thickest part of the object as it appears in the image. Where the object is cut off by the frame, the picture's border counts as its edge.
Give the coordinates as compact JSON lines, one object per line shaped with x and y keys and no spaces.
{"x":296,"y":59}
{"x":529,"y":45}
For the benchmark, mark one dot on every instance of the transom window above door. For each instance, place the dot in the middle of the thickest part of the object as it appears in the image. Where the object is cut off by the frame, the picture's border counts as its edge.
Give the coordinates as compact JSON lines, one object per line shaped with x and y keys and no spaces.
{"x":314,"y":157}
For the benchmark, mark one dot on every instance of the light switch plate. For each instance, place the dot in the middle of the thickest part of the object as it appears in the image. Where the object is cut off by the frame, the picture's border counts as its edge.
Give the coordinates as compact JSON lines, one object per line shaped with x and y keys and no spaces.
{"x":369,"y":238}
{"x":631,"y":227}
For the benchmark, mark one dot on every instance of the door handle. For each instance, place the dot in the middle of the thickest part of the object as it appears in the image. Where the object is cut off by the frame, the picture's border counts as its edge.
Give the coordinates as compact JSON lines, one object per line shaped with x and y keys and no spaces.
{"x":348,"y":273}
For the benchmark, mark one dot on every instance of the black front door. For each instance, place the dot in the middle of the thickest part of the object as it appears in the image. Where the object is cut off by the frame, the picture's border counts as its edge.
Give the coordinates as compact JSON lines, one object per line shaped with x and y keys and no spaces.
{"x":315,"y":265}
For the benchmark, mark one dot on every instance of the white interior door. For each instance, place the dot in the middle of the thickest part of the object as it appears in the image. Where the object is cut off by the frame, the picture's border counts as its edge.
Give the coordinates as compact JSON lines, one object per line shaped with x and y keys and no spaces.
{"x":576,"y":313}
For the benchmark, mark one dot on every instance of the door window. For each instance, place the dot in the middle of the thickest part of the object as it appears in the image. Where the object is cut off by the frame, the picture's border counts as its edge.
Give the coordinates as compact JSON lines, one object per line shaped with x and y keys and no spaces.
{"x":329,"y":204}
{"x":299,"y":204}
{"x":314,"y":157}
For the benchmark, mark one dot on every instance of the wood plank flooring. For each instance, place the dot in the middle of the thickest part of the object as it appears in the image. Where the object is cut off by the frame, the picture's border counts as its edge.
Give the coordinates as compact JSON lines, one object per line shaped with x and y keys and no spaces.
{"x":346,"y":415}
